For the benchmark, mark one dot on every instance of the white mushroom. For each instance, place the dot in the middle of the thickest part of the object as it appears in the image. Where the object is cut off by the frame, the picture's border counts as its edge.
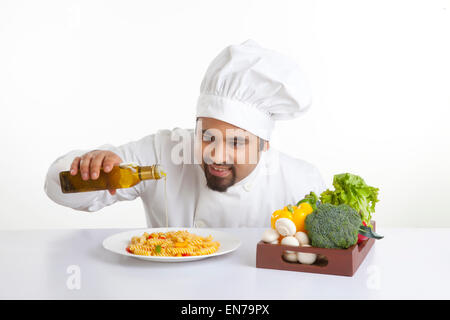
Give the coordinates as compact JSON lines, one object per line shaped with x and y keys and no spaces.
{"x":270,"y":235}
{"x":305,"y":257}
{"x":285,"y":227}
{"x":274,"y":242}
{"x":291,"y":257}
{"x":290,"y":241}
{"x":302,"y":237}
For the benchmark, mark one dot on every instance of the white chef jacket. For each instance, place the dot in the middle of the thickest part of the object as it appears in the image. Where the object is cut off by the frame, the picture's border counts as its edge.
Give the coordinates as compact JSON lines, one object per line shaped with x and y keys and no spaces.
{"x":276,"y":181}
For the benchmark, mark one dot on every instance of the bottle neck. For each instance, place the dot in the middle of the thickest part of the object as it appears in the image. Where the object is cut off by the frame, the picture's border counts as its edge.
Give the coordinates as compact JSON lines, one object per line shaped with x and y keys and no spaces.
{"x":150,"y":172}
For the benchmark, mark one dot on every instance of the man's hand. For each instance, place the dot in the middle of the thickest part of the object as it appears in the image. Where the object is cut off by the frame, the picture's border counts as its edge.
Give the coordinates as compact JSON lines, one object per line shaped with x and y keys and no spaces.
{"x":90,"y":163}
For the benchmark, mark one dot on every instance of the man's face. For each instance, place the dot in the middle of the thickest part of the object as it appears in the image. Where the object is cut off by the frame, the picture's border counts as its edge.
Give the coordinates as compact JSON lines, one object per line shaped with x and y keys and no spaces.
{"x":229,"y":154}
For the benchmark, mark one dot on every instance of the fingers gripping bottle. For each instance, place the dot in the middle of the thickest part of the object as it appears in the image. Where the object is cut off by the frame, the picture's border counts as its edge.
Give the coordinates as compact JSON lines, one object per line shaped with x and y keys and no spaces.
{"x":125,"y":175}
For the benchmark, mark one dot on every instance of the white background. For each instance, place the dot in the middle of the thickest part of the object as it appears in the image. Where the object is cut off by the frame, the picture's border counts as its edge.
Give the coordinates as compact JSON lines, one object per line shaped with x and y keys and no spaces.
{"x":79,"y":74}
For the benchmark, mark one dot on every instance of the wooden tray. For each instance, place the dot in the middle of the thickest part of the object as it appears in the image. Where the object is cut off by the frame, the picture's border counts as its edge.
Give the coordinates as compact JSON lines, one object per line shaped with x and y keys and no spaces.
{"x":341,"y":262}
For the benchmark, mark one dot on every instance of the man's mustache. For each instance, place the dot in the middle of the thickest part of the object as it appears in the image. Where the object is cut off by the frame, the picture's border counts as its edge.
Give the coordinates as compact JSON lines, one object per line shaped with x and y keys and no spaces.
{"x":222,"y":165}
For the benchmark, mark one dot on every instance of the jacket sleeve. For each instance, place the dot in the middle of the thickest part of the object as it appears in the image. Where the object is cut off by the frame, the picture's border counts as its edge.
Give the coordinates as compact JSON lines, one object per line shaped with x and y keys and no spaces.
{"x":144,"y":152}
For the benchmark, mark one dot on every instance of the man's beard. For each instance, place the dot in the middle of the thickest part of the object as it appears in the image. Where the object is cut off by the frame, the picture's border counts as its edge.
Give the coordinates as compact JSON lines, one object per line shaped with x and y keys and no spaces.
{"x":218,"y":183}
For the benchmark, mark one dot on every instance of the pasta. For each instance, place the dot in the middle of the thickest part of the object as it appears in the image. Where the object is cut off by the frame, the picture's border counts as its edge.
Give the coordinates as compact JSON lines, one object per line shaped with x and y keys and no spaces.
{"x":172,"y":244}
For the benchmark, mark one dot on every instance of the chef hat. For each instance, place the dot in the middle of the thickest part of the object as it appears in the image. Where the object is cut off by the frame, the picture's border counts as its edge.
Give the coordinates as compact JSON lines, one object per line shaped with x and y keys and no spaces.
{"x":250,"y":87}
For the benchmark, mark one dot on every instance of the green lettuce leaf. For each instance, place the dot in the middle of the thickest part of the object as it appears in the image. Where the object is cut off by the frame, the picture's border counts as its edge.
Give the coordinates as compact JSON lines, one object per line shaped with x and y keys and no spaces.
{"x":352,"y":190}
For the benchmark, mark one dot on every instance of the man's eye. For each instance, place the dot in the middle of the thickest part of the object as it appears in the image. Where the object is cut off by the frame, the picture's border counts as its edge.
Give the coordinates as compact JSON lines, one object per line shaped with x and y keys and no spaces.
{"x":208,"y":138}
{"x":237,"y":142}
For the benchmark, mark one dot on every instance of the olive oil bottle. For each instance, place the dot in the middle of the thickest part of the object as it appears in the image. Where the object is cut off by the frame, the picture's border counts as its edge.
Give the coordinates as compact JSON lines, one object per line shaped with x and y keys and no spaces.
{"x":123,"y":176}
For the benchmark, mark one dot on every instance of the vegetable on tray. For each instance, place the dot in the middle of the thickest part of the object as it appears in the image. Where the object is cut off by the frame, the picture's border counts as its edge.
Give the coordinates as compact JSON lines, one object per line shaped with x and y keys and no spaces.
{"x":352,"y":190}
{"x":311,"y":198}
{"x":333,"y":226}
{"x":337,"y":219}
{"x":291,"y":217}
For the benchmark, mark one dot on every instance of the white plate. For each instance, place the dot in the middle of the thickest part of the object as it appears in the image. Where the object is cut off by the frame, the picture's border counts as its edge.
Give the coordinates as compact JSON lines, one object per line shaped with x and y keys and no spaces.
{"x":118,"y":243}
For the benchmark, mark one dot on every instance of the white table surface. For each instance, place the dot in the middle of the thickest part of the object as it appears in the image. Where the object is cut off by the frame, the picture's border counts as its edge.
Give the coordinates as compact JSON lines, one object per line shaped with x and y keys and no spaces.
{"x":406,"y":264}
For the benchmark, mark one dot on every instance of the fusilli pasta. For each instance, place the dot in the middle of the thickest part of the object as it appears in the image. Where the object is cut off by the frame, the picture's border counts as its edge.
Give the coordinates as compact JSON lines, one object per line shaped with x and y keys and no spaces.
{"x":172,"y":244}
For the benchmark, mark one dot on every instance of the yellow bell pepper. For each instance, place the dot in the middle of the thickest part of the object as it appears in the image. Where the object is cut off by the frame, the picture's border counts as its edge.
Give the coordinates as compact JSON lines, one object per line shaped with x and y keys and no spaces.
{"x":181,"y":244}
{"x":286,"y":212}
{"x":300,"y":214}
{"x":293,"y":213}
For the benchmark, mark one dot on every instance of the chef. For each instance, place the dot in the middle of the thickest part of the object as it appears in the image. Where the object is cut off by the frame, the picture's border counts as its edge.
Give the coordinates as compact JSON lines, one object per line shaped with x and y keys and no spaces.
{"x":223,"y":173}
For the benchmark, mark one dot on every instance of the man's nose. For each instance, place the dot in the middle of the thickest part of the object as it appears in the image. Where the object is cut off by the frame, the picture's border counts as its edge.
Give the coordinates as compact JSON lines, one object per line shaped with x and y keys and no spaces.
{"x":221,"y":154}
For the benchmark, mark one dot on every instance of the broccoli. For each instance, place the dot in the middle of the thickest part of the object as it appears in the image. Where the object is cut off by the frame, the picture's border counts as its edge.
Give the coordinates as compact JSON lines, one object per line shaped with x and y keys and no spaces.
{"x":333,"y":226}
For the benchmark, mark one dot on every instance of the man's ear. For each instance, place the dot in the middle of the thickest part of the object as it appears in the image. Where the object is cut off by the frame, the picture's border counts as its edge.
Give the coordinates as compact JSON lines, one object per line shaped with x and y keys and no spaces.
{"x":263,"y":145}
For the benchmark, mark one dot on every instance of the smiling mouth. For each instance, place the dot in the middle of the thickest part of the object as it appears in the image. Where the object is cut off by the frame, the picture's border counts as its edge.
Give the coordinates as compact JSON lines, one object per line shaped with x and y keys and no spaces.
{"x":219,"y":171}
